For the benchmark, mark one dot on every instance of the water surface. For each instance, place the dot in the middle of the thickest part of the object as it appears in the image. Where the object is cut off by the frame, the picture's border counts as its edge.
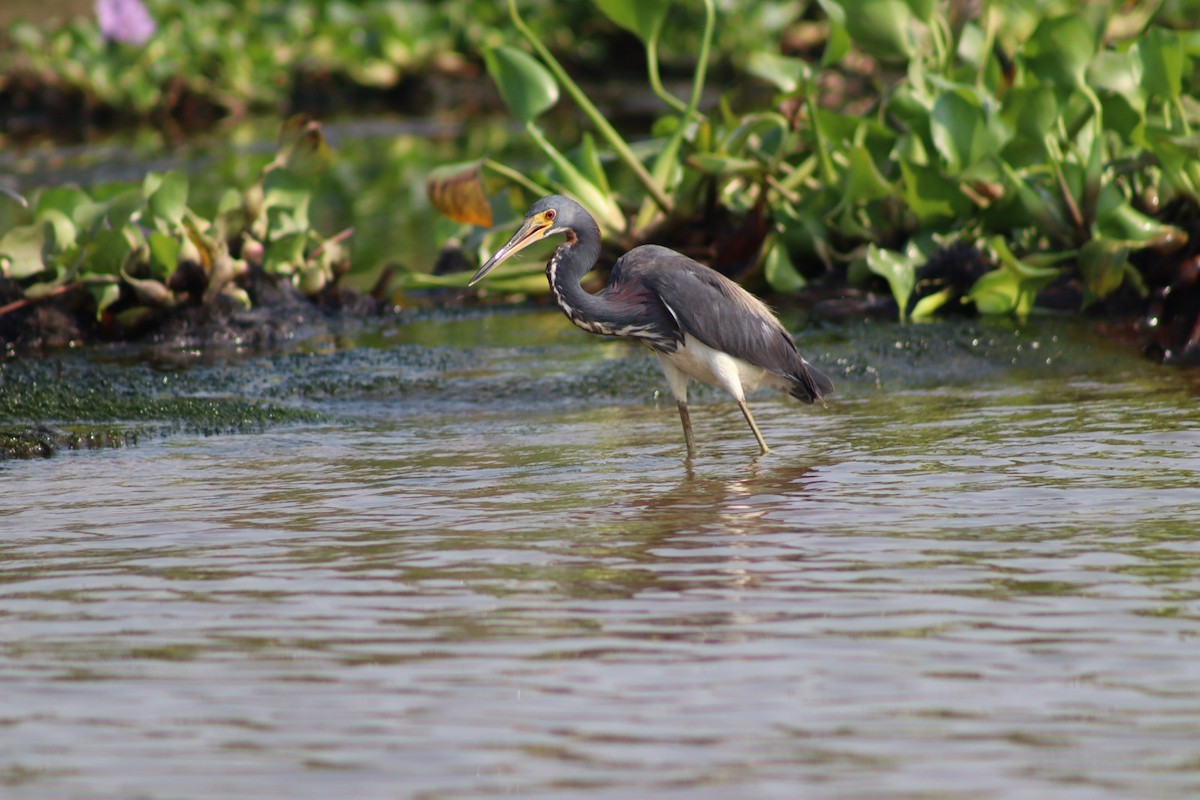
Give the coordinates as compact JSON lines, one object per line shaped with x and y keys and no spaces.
{"x":490,"y":572}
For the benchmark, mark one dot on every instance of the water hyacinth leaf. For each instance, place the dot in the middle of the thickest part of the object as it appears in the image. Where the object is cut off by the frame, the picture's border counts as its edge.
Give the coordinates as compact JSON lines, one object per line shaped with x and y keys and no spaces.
{"x":164,"y":254}
{"x":1059,"y":50}
{"x":927,"y":306}
{"x":526,"y":87}
{"x":930,"y":195}
{"x":124,"y":207}
{"x":643,"y":18}
{"x":714,"y":164}
{"x":104,"y":295}
{"x":1011,"y":289}
{"x":108,"y":252}
{"x":286,"y":198}
{"x":457,"y":191}
{"x":21,"y":251}
{"x":898,"y":269}
{"x":1103,"y":264}
{"x":1163,"y":58}
{"x":764,"y":133}
{"x":883,"y":28}
{"x":284,"y":254}
{"x":960,"y":130}
{"x":923,"y":9}
{"x":837,"y":43}
{"x":1118,"y":220}
{"x":61,"y":230}
{"x":786,"y":73}
{"x":863,"y":181}
{"x":588,"y":161}
{"x":64,"y":199}
{"x":779,"y":271}
{"x":996,"y":293}
{"x":1030,"y":111}
{"x":168,"y":200}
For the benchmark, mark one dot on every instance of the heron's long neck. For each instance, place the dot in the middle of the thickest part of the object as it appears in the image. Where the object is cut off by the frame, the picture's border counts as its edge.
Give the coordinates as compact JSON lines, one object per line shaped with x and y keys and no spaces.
{"x":570,"y":262}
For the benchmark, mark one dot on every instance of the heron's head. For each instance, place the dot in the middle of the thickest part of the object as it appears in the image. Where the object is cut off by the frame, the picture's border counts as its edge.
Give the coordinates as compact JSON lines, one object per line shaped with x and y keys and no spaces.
{"x":549,"y":216}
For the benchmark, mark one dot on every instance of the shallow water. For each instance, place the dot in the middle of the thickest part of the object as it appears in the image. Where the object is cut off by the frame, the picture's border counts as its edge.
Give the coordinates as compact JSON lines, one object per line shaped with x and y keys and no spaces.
{"x":975,"y":575}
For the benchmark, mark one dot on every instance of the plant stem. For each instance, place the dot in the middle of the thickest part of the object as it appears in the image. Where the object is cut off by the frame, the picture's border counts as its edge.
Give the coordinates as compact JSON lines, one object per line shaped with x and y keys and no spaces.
{"x":602,"y":125}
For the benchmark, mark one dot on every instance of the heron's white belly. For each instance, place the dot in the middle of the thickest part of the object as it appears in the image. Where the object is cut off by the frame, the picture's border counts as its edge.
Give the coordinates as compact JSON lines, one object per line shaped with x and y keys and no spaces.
{"x":697,"y":360}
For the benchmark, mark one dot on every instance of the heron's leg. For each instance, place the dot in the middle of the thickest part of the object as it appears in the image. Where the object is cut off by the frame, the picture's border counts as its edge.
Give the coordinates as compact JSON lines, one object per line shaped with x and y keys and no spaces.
{"x":677,"y":379}
{"x":762,"y":446}
{"x":686,"y":419}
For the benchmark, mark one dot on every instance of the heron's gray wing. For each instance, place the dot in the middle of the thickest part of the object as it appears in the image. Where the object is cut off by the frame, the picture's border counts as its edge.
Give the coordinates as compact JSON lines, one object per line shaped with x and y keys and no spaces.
{"x":713,"y":309}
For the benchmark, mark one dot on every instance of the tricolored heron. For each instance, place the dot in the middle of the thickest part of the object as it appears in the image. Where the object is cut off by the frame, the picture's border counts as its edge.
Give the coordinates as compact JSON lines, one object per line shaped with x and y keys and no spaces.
{"x":699,"y":323}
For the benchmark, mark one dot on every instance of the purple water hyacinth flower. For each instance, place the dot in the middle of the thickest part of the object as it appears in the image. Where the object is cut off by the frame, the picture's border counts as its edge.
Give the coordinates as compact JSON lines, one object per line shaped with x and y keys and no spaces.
{"x":125,"y":21}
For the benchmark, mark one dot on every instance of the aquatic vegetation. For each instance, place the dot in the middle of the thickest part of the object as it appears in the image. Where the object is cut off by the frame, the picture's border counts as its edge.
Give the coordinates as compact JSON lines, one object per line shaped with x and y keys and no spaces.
{"x":1056,"y":147}
{"x":132,"y":255}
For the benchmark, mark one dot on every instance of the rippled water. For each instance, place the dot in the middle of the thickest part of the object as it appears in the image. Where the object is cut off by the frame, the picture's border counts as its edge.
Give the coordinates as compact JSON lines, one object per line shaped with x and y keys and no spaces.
{"x":975,"y":575}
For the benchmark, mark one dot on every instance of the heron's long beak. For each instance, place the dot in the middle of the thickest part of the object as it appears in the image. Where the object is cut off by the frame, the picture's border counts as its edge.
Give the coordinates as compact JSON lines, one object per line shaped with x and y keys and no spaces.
{"x":532,"y":230}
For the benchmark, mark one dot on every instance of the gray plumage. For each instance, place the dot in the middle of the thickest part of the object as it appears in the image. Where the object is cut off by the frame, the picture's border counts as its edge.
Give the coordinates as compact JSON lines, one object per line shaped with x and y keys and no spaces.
{"x":702,"y":325}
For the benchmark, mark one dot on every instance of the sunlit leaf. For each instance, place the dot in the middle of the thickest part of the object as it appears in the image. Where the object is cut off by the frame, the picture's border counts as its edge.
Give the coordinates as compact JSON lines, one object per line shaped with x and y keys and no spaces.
{"x":104,"y":295}
{"x":780,"y":272}
{"x":786,"y":73}
{"x":1118,"y":220}
{"x":61,"y":229}
{"x":960,"y":130}
{"x":457,"y":191}
{"x":644,"y":18}
{"x":108,"y":252}
{"x":1059,"y":50}
{"x":930,"y":195}
{"x":883,"y":28}
{"x":1162,"y":57}
{"x":898,"y":269}
{"x":21,"y":251}
{"x":526,"y":87}
{"x":168,"y":200}
{"x":863,"y":181}
{"x":164,"y":253}
{"x":715,"y":164}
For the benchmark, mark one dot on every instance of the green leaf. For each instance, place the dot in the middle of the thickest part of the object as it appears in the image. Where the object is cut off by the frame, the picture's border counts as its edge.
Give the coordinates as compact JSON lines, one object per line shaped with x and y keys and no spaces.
{"x":838,"y":42}
{"x":527,"y":88}
{"x":1059,"y":50}
{"x":104,"y":294}
{"x":1162,"y":57}
{"x":1030,"y":111}
{"x":930,"y":195}
{"x":164,"y":253}
{"x":1102,"y":263}
{"x":643,"y":18}
{"x":21,"y":251}
{"x":863,"y":181}
{"x":900,"y":271}
{"x":996,"y":292}
{"x":168,"y":200}
{"x":786,"y":73}
{"x":108,"y":251}
{"x":927,"y":306}
{"x":285,"y":254}
{"x":1118,"y":220}
{"x":1011,"y":289}
{"x":780,"y":272}
{"x":883,"y":28}
{"x":64,"y":199}
{"x":61,"y":228}
{"x":714,"y":164}
{"x":960,"y":130}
